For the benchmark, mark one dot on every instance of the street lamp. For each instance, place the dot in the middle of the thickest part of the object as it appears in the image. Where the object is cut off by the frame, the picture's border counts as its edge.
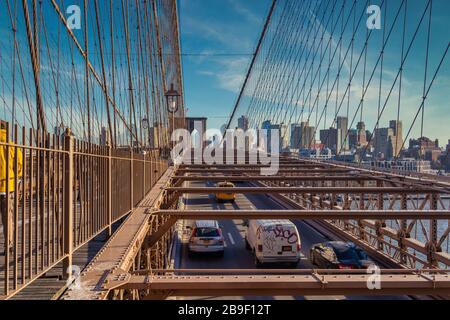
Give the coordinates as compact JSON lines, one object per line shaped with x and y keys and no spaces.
{"x":173,"y":102}
{"x":144,"y":124}
{"x":173,"y":98}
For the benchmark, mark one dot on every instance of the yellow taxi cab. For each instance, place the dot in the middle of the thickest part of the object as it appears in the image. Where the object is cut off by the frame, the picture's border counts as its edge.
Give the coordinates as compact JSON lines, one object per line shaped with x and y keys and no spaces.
{"x":225,"y":196}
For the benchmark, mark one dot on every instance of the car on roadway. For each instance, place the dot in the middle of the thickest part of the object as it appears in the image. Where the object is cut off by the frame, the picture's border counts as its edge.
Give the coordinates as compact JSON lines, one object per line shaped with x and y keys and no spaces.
{"x":339,"y":255}
{"x":225,"y":196}
{"x":273,"y":241}
{"x":206,"y":237}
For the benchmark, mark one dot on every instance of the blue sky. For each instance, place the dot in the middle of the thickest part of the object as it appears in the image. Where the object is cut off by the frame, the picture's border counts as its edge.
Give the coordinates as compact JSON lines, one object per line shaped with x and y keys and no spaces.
{"x":210,"y":27}
{"x":218,"y":38}
{"x":233,"y":26}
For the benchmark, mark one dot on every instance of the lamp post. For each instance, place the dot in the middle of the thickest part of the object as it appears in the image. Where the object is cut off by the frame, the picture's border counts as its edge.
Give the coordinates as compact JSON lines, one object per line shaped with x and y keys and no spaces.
{"x":144,"y":124}
{"x":173,"y":103}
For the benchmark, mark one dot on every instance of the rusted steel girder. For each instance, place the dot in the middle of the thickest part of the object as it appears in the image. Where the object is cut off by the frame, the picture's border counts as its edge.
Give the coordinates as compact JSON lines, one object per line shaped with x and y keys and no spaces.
{"x":247,"y":165}
{"x":389,"y":175}
{"x":252,"y":170}
{"x":301,"y":190}
{"x":314,"y":283}
{"x":384,"y":231}
{"x":275,"y":178}
{"x":267,"y":272}
{"x":122,"y":248}
{"x":305,"y":214}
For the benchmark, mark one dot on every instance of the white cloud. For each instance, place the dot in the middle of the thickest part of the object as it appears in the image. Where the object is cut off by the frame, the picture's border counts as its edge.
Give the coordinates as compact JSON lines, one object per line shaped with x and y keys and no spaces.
{"x":243,"y":11}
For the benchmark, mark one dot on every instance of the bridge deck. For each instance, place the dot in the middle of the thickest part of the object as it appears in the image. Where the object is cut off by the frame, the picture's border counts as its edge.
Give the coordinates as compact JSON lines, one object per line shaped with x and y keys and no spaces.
{"x":50,"y":285}
{"x":122,"y":247}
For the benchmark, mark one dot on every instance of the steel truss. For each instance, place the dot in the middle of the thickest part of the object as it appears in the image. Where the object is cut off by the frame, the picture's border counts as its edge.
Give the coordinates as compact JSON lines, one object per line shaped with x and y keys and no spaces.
{"x":362,"y":216}
{"x":280,"y":282}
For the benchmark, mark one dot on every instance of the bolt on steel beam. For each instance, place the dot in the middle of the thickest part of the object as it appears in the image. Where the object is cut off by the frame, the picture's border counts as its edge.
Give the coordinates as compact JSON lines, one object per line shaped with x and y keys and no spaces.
{"x":301,"y":190}
{"x":306,"y":214}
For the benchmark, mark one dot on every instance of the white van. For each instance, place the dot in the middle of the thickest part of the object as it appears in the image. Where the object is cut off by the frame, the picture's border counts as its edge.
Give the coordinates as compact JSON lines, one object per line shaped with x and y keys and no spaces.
{"x":274,"y":241}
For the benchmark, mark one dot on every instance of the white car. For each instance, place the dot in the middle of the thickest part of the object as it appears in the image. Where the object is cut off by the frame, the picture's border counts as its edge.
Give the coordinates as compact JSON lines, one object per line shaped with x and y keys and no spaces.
{"x":274,"y":241}
{"x":206,"y":237}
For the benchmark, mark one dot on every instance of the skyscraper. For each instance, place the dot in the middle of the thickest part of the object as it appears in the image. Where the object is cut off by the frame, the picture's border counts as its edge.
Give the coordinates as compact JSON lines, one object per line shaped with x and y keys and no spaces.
{"x":105,"y":137}
{"x":302,"y":136}
{"x":389,"y":141}
{"x":343,"y":141}
{"x":353,"y":138}
{"x":197,"y":128}
{"x":282,"y":131}
{"x":243,"y":123}
{"x":397,"y":141}
{"x":284,"y":136}
{"x":329,"y":138}
{"x":361,"y":133}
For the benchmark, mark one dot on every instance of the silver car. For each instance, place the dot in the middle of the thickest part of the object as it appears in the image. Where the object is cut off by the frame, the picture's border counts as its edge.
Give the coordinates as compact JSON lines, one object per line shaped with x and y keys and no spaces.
{"x":206,"y":237}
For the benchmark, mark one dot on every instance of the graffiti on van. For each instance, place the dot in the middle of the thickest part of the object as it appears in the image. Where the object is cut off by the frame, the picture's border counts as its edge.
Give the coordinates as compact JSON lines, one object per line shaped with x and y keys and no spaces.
{"x":287,"y":234}
{"x":274,"y":233}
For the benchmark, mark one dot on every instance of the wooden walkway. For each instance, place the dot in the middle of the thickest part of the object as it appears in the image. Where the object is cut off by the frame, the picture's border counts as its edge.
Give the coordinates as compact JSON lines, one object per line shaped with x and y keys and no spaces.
{"x":50,"y":286}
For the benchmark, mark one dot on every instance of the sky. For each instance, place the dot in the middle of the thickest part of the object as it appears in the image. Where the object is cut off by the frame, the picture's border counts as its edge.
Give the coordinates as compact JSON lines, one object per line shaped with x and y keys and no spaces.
{"x":212,"y":83}
{"x":218,"y":38}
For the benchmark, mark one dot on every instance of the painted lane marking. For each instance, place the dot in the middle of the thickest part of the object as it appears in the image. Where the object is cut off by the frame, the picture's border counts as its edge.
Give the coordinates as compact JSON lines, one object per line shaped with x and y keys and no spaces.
{"x":231,"y":239}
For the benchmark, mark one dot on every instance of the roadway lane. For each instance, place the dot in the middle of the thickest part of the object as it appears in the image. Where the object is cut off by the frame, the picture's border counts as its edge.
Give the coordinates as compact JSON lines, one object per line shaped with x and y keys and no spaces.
{"x":236,"y":255}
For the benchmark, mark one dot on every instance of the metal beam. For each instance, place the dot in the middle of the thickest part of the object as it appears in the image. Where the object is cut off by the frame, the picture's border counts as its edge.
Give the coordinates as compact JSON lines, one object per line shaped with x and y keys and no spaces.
{"x":306,"y":214}
{"x":162,"y":230}
{"x":122,"y":247}
{"x":204,"y":272}
{"x":310,"y":190}
{"x":274,"y":178}
{"x":250,"y":170}
{"x":247,"y":165}
{"x":299,"y":285}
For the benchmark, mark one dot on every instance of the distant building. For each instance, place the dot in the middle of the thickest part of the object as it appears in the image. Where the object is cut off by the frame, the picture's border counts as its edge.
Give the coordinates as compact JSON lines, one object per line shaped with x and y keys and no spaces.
{"x":342,"y":126}
{"x":282,"y":131}
{"x":370,"y":139}
{"x":329,"y":138}
{"x":197,"y":125}
{"x":388,"y":141}
{"x":105,"y":137}
{"x":157,"y":136}
{"x":404,"y":165}
{"x":383,"y":143}
{"x":346,"y":156}
{"x":353,"y":138}
{"x":302,"y":136}
{"x":266,"y":125}
{"x":362,"y":136}
{"x":193,"y":123}
{"x":243,"y":123}
{"x":445,"y":158}
{"x":397,"y":141}
{"x":337,"y":139}
{"x":316,"y":153}
{"x":153,"y":142}
{"x":284,"y":136}
{"x":58,"y":131}
{"x":423,"y":148}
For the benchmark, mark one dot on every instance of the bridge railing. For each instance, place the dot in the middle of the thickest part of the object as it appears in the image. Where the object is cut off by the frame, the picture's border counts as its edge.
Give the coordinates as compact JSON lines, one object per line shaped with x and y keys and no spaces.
{"x":62,"y":194}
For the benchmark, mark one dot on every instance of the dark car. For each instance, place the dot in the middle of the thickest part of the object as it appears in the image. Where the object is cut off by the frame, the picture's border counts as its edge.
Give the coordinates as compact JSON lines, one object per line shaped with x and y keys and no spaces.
{"x":339,"y":255}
